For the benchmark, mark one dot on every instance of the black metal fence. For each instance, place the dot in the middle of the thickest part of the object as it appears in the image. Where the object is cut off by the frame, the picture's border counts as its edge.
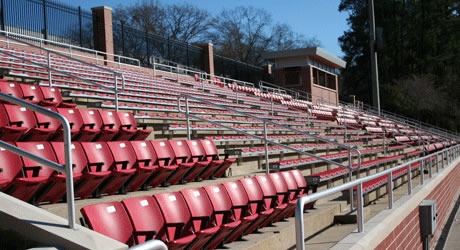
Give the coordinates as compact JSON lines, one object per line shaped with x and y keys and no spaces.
{"x":141,"y":45}
{"x":48,"y":19}
{"x":55,"y":21}
{"x":230,"y":68}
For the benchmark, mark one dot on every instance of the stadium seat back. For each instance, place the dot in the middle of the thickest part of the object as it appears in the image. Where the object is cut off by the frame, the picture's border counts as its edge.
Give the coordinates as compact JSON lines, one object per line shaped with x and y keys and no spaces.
{"x":109,"y":219}
{"x":146,"y":217}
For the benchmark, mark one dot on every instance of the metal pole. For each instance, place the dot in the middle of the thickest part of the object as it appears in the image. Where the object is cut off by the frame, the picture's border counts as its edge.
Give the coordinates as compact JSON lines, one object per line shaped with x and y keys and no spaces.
{"x":373,"y":53}
{"x":80,"y":24}
{"x":267,"y":167}
{"x":2,"y":14}
{"x":422,"y":176}
{"x":116,"y":92}
{"x":360,"y":209}
{"x":45,"y":28}
{"x":409,"y":179}
{"x":187,"y":116}
{"x":50,"y":83}
{"x":390,"y":190}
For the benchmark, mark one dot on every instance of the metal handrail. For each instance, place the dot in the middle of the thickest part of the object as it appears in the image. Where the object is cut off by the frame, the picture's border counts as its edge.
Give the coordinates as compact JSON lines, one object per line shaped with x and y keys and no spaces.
{"x":70,"y":47}
{"x":67,"y":169}
{"x":265,"y":122}
{"x":150,"y":245}
{"x":299,"y":220}
{"x":115,"y":88}
{"x":413,"y":123}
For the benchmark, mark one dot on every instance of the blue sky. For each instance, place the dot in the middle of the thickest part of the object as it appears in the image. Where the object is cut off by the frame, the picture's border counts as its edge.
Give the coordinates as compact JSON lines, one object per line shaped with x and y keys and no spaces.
{"x":312,"y":18}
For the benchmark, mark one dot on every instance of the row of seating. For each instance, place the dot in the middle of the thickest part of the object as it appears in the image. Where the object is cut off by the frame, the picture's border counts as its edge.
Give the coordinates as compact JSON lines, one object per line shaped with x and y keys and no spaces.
{"x":41,"y":95}
{"x":200,"y":218}
{"x":20,"y":124}
{"x":108,"y":167}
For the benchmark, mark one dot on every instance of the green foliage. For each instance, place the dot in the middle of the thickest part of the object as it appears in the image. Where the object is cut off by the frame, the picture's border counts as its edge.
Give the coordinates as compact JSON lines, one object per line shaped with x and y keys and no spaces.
{"x":419,"y":69}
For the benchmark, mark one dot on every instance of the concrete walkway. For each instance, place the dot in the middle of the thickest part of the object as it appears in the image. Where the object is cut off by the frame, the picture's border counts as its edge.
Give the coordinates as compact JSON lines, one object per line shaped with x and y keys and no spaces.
{"x":453,"y":238}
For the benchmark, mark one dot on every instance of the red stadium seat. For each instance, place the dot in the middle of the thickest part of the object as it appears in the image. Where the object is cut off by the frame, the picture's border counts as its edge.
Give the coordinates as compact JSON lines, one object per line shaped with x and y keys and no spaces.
{"x":302,"y":185}
{"x":241,"y":209}
{"x":11,"y":88}
{"x":217,"y":167}
{"x":79,"y":131}
{"x":10,"y":168}
{"x":129,"y":123}
{"x":34,"y":175}
{"x":223,"y":213}
{"x":100,"y":157}
{"x":9,"y":132}
{"x":204,"y":220}
{"x":178,"y":221}
{"x":148,"y":171}
{"x":191,"y":167}
{"x":23,"y":117}
{"x":125,"y":162}
{"x":146,"y":218}
{"x":198,"y":156}
{"x":166,"y":160}
{"x":109,"y":219}
{"x":97,"y":170}
{"x":283,"y":194}
{"x":44,"y":121}
{"x":52,"y":96}
{"x":294,"y":190}
{"x":257,"y":204}
{"x":111,"y":120}
{"x":33,"y":94}
{"x":56,"y":187}
{"x":270,"y":199}
{"x":92,"y":119}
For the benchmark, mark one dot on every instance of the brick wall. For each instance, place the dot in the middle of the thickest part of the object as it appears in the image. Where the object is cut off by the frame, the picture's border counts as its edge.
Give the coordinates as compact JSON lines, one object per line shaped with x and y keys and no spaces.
{"x":407,"y":234}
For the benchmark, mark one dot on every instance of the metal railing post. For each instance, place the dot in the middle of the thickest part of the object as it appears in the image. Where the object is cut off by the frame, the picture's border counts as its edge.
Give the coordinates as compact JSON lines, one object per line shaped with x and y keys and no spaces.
{"x":430,"y":163}
{"x":350,"y":178}
{"x":267,"y":167}
{"x":437,"y":163}
{"x":360,"y":209}
{"x":409,"y":179}
{"x":390,"y":190}
{"x":187,"y":116}
{"x":50,"y":83}
{"x":116,"y":91}
{"x":421,"y":169}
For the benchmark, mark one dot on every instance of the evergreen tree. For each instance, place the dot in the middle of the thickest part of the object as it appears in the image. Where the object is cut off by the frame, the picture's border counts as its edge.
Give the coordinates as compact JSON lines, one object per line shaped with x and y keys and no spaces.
{"x":419,"y":70}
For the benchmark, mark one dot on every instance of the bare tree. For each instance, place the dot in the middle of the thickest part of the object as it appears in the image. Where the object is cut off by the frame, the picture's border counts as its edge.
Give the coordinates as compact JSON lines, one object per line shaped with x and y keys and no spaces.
{"x":241,"y":33}
{"x":244,"y":33}
{"x":284,"y":38}
{"x":186,"y":22}
{"x":147,"y":16}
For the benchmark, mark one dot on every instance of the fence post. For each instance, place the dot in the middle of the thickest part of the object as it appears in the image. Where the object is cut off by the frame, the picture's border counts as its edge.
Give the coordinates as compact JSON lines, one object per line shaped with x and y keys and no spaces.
{"x":80,"y":23}
{"x":267,"y":167}
{"x":360,"y":208}
{"x":2,"y":14}
{"x":390,"y":190}
{"x":45,"y":28}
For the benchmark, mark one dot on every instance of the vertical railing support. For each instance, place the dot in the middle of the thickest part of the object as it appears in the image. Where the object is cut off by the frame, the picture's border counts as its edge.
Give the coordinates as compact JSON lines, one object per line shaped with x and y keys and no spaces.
{"x":360,"y":208}
{"x":50,"y":80}
{"x":187,"y":116}
{"x":267,"y":167}
{"x":409,"y":179}
{"x":421,"y":169}
{"x":390,"y":190}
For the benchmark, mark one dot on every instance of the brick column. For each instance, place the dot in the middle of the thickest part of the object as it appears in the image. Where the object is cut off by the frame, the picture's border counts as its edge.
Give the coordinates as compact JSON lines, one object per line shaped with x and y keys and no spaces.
{"x":102,"y":28}
{"x":208,"y":58}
